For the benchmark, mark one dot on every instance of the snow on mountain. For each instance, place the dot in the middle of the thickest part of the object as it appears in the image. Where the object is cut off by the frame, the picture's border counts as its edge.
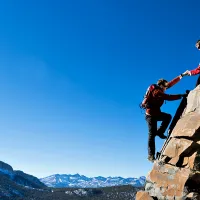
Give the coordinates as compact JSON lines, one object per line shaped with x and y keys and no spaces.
{"x":80,"y":181}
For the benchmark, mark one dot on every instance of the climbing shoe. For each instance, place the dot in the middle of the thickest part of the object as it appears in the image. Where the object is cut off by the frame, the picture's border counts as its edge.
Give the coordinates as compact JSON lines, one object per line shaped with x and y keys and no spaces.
{"x":151,"y":158}
{"x":161,"y":134}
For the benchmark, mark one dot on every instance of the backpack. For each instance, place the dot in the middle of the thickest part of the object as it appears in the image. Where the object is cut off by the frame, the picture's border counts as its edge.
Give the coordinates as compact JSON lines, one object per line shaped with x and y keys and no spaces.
{"x":148,"y":96}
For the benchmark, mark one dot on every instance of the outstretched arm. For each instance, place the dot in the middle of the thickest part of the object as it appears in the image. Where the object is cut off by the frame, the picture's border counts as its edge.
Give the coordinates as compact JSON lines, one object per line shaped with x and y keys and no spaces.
{"x":167,"y":96}
{"x":174,"y":81}
{"x":192,"y":72}
{"x":195,"y":71}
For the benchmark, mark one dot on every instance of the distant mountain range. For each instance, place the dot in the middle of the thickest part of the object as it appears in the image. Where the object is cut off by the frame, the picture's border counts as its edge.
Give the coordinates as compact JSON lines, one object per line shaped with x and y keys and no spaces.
{"x":17,"y":185}
{"x":80,"y":181}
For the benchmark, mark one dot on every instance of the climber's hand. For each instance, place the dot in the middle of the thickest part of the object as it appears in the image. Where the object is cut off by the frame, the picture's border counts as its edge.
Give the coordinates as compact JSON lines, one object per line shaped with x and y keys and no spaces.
{"x":186,"y":73}
{"x":183,"y":95}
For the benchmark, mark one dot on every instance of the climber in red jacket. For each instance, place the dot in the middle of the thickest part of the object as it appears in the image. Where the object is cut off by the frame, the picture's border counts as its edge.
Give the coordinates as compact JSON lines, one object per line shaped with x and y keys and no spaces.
{"x":153,"y":100}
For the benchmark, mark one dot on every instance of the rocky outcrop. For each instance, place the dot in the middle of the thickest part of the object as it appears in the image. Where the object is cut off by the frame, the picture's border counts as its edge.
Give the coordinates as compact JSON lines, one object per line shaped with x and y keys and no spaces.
{"x":6,"y":167}
{"x":176,"y":174}
{"x":30,"y":180}
{"x":19,"y":177}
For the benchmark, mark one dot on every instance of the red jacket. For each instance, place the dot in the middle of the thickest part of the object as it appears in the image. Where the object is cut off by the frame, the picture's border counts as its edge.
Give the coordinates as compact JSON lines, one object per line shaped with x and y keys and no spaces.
{"x":159,"y":97}
{"x":195,"y":71}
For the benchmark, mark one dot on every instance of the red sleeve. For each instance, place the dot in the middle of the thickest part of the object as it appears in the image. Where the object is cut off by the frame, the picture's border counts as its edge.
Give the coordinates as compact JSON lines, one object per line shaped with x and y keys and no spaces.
{"x":168,"y":97}
{"x":195,"y":71}
{"x":173,"y":82}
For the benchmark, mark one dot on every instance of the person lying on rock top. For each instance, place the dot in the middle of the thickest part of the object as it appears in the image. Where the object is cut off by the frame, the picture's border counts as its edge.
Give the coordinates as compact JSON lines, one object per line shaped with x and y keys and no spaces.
{"x":153,"y":100}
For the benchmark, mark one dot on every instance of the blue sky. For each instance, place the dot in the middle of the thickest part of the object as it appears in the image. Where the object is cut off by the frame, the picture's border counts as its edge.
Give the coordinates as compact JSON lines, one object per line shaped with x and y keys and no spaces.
{"x":72,"y":74}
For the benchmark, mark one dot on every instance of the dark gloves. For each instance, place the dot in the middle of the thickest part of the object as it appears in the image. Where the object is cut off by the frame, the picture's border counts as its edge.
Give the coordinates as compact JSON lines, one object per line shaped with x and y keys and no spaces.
{"x":187,"y":91}
{"x":183,"y":95}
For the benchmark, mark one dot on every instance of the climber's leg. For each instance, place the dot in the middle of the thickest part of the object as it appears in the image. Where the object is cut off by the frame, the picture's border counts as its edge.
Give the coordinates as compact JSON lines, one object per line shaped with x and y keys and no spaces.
{"x":152,"y":126}
{"x":165,"y":118}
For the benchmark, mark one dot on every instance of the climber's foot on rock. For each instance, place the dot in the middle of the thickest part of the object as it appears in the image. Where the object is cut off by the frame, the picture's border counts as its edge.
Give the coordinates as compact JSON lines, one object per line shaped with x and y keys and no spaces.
{"x":151,"y":158}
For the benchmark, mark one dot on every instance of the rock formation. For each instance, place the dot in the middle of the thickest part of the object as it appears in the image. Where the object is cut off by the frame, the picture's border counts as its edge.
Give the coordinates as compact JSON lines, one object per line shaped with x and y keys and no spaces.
{"x":176,"y":173}
{"x":5,"y":166}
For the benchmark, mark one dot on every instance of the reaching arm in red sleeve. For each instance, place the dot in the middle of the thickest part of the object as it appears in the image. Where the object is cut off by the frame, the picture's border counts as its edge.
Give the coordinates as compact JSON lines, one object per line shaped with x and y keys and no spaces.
{"x":173,"y":82}
{"x":195,"y":71}
{"x":168,"y":97}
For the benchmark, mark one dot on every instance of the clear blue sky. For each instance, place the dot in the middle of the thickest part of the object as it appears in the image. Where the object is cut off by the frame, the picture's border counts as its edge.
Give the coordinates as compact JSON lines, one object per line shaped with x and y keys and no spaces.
{"x":72,"y":74}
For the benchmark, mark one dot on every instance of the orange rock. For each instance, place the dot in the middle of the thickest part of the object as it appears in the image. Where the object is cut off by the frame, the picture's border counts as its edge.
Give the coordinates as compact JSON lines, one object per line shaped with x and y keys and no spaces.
{"x":142,"y":195}
{"x":176,"y":147}
{"x":187,"y":126}
{"x":167,"y":180}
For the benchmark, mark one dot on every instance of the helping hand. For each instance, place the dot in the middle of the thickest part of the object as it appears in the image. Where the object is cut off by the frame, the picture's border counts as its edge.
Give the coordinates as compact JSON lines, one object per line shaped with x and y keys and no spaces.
{"x":186,"y":73}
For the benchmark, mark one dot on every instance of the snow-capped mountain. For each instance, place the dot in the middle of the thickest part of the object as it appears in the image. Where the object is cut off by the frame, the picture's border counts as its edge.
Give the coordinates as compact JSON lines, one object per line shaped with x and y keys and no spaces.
{"x":17,"y":185}
{"x":80,"y":181}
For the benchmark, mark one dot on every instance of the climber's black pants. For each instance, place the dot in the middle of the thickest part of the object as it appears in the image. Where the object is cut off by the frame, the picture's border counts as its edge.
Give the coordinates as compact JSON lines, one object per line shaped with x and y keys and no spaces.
{"x":153,"y":131}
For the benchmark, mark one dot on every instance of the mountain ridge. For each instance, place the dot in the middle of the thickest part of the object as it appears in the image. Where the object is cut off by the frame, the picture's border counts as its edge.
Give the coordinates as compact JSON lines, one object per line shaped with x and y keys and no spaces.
{"x":17,"y":185}
{"x":81,"y":181}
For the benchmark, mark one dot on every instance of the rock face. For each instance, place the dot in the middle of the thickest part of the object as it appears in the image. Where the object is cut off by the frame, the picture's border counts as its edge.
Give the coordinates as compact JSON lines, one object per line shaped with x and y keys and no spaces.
{"x":5,"y":166}
{"x":19,"y":177}
{"x":141,"y":195}
{"x":176,"y":174}
{"x":29,"y":180}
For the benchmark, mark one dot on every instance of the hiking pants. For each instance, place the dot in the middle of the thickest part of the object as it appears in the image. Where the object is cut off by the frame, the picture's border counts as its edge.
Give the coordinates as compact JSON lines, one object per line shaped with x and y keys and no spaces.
{"x":153,"y":131}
